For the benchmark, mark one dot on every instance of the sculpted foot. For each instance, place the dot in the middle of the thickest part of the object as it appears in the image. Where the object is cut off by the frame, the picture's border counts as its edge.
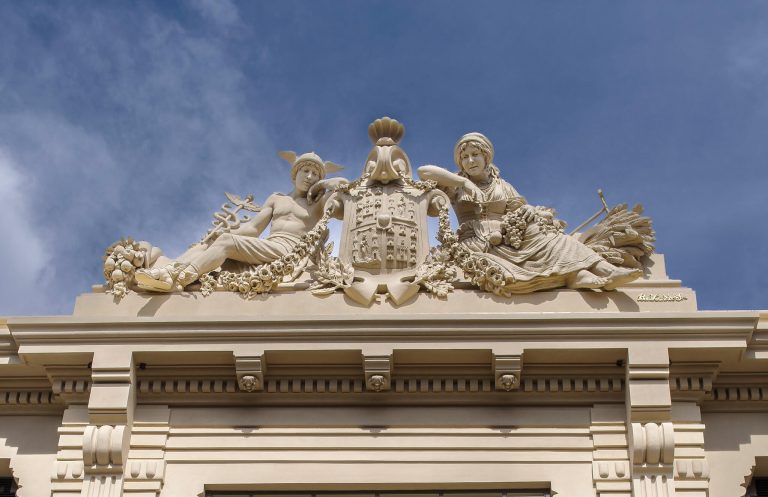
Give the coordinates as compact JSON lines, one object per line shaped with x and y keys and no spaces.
{"x":621,"y":276}
{"x":156,"y":279}
{"x":586,"y":279}
{"x":166,"y":279}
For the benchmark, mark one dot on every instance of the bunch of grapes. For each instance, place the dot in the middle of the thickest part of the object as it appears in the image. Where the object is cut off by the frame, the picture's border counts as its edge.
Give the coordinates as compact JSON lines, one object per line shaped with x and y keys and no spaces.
{"x":545,"y":219}
{"x":513,"y":226}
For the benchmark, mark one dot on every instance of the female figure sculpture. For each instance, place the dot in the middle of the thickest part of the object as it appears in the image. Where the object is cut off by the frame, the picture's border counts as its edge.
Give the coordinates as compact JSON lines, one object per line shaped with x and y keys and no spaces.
{"x":498,"y":225}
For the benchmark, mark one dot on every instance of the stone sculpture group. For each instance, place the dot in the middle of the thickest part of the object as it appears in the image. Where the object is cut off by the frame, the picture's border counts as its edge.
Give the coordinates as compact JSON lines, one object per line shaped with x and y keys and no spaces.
{"x":503,"y":245}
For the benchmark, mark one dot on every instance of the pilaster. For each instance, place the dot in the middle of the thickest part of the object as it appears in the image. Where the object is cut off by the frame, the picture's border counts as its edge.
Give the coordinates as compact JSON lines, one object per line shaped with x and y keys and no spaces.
{"x":691,"y":465}
{"x":110,"y":417}
{"x":649,"y":421}
{"x":67,"y":477}
{"x":610,"y":460}
{"x":145,"y":470}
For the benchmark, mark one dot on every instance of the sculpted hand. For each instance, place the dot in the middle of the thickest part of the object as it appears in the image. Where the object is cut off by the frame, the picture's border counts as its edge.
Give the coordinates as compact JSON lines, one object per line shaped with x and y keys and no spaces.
{"x":315,"y":192}
{"x":528,"y":212}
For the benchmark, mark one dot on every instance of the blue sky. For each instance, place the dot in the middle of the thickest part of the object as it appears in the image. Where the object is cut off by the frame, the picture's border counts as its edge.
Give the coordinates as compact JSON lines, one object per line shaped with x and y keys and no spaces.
{"x":121,"y":118}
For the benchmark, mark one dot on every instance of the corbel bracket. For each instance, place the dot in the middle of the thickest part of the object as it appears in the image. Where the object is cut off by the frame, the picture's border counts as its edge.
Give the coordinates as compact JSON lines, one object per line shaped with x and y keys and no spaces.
{"x":506,"y":372}
{"x":250,"y":373}
{"x":378,"y":372}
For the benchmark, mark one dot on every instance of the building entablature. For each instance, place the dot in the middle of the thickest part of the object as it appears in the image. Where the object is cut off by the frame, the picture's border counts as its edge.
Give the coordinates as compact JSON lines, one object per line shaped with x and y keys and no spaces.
{"x":574,"y":357}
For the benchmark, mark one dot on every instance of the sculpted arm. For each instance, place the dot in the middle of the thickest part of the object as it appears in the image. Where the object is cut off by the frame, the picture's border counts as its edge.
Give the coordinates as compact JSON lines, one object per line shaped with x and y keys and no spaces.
{"x":442,"y":176}
{"x":259,"y":222}
{"x":448,"y":179}
{"x":321,"y":191}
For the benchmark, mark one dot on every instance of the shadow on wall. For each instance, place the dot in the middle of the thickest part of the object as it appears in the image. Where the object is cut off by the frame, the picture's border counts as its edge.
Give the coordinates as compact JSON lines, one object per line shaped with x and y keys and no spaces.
{"x":734,"y":434}
{"x":736,"y":445}
{"x":30,"y":434}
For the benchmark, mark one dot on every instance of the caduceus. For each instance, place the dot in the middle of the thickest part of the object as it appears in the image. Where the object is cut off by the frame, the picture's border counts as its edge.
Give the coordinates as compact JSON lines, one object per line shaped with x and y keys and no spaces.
{"x":228,"y":218}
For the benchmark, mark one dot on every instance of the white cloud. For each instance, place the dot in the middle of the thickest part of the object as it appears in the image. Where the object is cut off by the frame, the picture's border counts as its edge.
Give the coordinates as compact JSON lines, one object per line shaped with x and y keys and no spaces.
{"x":137,"y":129}
{"x":749,"y":59}
{"x":223,"y":12}
{"x":23,"y":253}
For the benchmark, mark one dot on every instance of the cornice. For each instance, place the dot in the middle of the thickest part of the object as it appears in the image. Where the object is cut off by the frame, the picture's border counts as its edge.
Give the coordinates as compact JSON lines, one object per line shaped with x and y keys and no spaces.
{"x":8,"y":347}
{"x":758,"y":346}
{"x":455,"y":327}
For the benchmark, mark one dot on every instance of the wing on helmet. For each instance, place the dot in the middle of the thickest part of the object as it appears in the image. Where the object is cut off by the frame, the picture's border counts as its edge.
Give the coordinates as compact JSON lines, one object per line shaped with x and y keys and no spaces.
{"x":288,"y":155}
{"x":332,"y":167}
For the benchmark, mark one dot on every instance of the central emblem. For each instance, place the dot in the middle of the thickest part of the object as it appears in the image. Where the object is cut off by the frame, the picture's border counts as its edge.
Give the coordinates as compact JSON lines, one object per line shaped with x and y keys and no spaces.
{"x":385,"y":233}
{"x":385,"y":229}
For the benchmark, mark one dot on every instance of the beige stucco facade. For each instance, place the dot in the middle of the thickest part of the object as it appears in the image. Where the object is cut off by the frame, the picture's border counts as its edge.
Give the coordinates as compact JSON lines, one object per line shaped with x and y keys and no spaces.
{"x":575,"y":393}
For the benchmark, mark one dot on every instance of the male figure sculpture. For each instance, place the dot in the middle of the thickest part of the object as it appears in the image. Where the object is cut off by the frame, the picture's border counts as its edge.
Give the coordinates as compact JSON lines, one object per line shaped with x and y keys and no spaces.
{"x":291,"y":216}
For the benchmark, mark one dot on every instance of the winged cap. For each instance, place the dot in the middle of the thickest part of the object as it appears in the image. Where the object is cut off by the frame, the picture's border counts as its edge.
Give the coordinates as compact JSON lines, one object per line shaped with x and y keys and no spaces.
{"x":296,"y":161}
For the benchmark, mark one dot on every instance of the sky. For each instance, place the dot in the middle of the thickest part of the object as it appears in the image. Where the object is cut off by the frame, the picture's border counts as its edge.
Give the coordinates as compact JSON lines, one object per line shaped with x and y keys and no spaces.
{"x":132,"y":119}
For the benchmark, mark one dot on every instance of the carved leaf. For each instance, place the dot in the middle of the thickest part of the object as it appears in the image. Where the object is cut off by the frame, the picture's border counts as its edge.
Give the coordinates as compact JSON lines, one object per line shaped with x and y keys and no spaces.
{"x":437,"y":274}
{"x":331,"y":273}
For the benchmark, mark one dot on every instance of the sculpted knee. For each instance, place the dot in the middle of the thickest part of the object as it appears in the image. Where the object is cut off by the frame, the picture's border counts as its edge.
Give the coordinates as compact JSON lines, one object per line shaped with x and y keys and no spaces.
{"x":225,"y":242}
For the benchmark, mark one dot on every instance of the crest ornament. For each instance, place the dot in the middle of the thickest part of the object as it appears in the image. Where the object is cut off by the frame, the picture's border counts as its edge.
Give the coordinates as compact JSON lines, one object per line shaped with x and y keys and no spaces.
{"x":385,"y":235}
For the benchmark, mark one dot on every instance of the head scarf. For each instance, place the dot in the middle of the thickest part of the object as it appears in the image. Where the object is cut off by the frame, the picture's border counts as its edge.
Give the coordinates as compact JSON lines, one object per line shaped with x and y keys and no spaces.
{"x":472,"y":137}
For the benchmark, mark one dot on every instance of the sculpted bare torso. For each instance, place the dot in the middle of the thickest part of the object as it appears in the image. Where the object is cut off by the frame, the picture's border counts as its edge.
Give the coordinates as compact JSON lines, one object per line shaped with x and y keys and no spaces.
{"x":292,"y":215}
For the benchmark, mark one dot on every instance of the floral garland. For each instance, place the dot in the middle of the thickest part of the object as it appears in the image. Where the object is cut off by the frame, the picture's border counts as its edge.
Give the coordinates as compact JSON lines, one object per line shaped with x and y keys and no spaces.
{"x":331,"y":273}
{"x":265,"y":277}
{"x":479,"y":270}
